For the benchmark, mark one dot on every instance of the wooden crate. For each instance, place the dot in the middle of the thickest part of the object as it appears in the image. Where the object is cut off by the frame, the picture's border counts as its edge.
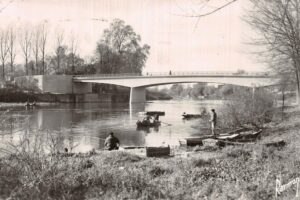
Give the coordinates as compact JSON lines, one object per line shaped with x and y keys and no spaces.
{"x":157,"y":151}
{"x":210,"y":142}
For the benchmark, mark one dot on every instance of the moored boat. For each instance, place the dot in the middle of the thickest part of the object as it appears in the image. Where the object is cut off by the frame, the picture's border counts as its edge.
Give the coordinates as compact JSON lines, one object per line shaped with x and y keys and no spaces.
{"x":223,"y":139}
{"x":191,"y":116}
{"x":194,"y":141}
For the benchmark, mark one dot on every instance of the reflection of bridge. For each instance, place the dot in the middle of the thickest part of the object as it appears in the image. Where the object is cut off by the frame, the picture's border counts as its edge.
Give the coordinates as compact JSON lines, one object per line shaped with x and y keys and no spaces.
{"x":137,"y":83}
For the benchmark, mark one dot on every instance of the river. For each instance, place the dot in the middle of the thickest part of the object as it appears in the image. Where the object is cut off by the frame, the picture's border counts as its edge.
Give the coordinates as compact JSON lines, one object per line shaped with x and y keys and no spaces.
{"x":84,"y":126}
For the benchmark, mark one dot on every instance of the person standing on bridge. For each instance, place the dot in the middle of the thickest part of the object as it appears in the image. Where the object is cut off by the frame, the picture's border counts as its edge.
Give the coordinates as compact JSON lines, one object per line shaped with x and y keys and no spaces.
{"x":111,"y":142}
{"x":213,"y":121}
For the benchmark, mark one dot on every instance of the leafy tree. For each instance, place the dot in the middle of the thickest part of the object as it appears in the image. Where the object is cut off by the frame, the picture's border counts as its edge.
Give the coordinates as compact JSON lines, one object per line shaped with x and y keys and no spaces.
{"x":176,"y":90}
{"x":69,"y":62}
{"x":209,"y":91}
{"x":198,"y":89}
{"x":119,"y":50}
{"x":58,"y":61}
{"x":226,"y":90}
{"x":74,"y":64}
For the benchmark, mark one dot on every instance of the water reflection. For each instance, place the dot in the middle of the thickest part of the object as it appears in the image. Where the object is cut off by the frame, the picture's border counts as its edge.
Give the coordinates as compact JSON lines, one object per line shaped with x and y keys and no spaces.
{"x":148,"y":129}
{"x":85,"y":126}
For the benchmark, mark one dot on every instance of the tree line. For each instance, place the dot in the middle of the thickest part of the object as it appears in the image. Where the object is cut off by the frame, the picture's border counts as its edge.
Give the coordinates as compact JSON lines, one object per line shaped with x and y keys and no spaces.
{"x":118,"y":51}
{"x":201,"y":91}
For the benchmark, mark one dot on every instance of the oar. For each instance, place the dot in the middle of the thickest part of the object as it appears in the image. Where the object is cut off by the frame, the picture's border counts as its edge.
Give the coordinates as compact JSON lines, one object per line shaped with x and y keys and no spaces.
{"x":166,"y":123}
{"x":132,"y":147}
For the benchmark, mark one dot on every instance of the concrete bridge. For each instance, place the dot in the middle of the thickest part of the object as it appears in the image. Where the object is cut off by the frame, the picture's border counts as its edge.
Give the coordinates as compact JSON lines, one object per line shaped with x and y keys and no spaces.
{"x":138,"y":83}
{"x":81,"y":86}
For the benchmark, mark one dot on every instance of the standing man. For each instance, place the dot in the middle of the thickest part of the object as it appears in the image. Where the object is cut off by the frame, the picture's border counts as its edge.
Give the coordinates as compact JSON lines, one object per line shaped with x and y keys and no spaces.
{"x":213,"y":121}
{"x":156,"y":118}
{"x":111,"y":142}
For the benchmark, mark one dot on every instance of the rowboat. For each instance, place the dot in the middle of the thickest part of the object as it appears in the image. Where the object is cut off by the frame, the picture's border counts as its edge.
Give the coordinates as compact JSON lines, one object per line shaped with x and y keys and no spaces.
{"x":191,"y":116}
{"x":235,"y":136}
{"x":145,"y":124}
{"x":194,"y":141}
{"x":33,"y":104}
{"x":152,"y":113}
{"x":249,"y":135}
{"x":239,"y":138}
{"x":160,"y":113}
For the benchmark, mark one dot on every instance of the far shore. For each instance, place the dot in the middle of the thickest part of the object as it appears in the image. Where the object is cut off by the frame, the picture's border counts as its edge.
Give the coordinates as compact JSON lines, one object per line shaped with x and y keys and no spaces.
{"x":6,"y":105}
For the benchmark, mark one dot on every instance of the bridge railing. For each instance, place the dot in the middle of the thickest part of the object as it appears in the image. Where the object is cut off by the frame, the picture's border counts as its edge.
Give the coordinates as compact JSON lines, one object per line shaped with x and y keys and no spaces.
{"x":109,"y":75}
{"x":191,"y":73}
{"x":180,"y":73}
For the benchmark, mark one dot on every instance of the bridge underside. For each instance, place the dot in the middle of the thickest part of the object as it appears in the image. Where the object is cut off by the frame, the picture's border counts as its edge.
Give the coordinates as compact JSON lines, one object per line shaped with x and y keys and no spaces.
{"x":138,"y":85}
{"x":159,"y":80}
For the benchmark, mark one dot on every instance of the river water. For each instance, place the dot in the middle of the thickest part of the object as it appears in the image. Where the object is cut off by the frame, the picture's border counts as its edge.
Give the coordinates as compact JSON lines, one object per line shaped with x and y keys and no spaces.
{"x":84,"y":126}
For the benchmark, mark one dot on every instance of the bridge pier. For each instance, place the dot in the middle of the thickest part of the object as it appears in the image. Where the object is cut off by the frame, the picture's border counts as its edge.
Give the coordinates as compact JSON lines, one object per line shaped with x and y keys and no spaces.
{"x":137,"y":95}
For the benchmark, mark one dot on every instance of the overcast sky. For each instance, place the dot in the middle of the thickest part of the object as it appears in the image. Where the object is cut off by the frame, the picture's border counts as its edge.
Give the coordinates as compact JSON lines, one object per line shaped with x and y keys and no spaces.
{"x":215,"y":43}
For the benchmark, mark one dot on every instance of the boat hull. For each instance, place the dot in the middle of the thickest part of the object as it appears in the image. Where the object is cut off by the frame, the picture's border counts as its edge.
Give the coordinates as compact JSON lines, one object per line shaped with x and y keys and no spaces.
{"x":191,"y":116}
{"x":153,"y":124}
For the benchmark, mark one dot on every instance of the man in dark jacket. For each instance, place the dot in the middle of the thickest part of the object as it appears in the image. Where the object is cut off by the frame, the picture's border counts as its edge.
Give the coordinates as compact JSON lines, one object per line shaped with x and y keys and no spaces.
{"x":111,"y":142}
{"x":213,"y":121}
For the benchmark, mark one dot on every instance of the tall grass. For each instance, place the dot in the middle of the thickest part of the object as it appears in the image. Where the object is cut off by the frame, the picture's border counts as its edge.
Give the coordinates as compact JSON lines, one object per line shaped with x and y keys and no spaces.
{"x":240,"y":171}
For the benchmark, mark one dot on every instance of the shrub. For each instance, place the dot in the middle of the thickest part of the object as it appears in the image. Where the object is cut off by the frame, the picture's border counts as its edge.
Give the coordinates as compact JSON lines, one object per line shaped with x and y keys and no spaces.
{"x":246,"y":108}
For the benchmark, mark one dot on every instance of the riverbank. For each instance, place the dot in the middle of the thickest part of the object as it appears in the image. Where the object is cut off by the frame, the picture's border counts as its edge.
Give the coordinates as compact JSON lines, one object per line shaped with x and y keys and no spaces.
{"x":234,"y":172}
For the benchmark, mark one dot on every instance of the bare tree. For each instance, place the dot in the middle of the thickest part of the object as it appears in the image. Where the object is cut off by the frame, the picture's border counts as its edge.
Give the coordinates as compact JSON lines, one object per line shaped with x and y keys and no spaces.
{"x":59,"y":49}
{"x":73,"y":50}
{"x":213,"y":9}
{"x":42,"y":44}
{"x":25,"y":43}
{"x":203,"y":8}
{"x":278,"y":25}
{"x":12,"y":47}
{"x":3,"y":50}
{"x":35,"y":48}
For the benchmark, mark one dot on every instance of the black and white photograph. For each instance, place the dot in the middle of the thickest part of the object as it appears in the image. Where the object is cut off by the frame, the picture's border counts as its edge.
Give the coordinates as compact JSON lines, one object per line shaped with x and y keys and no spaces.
{"x":149,"y":99}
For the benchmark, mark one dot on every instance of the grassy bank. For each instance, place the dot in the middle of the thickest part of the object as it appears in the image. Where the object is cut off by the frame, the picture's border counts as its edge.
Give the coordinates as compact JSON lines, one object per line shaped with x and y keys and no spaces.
{"x":234,"y":172}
